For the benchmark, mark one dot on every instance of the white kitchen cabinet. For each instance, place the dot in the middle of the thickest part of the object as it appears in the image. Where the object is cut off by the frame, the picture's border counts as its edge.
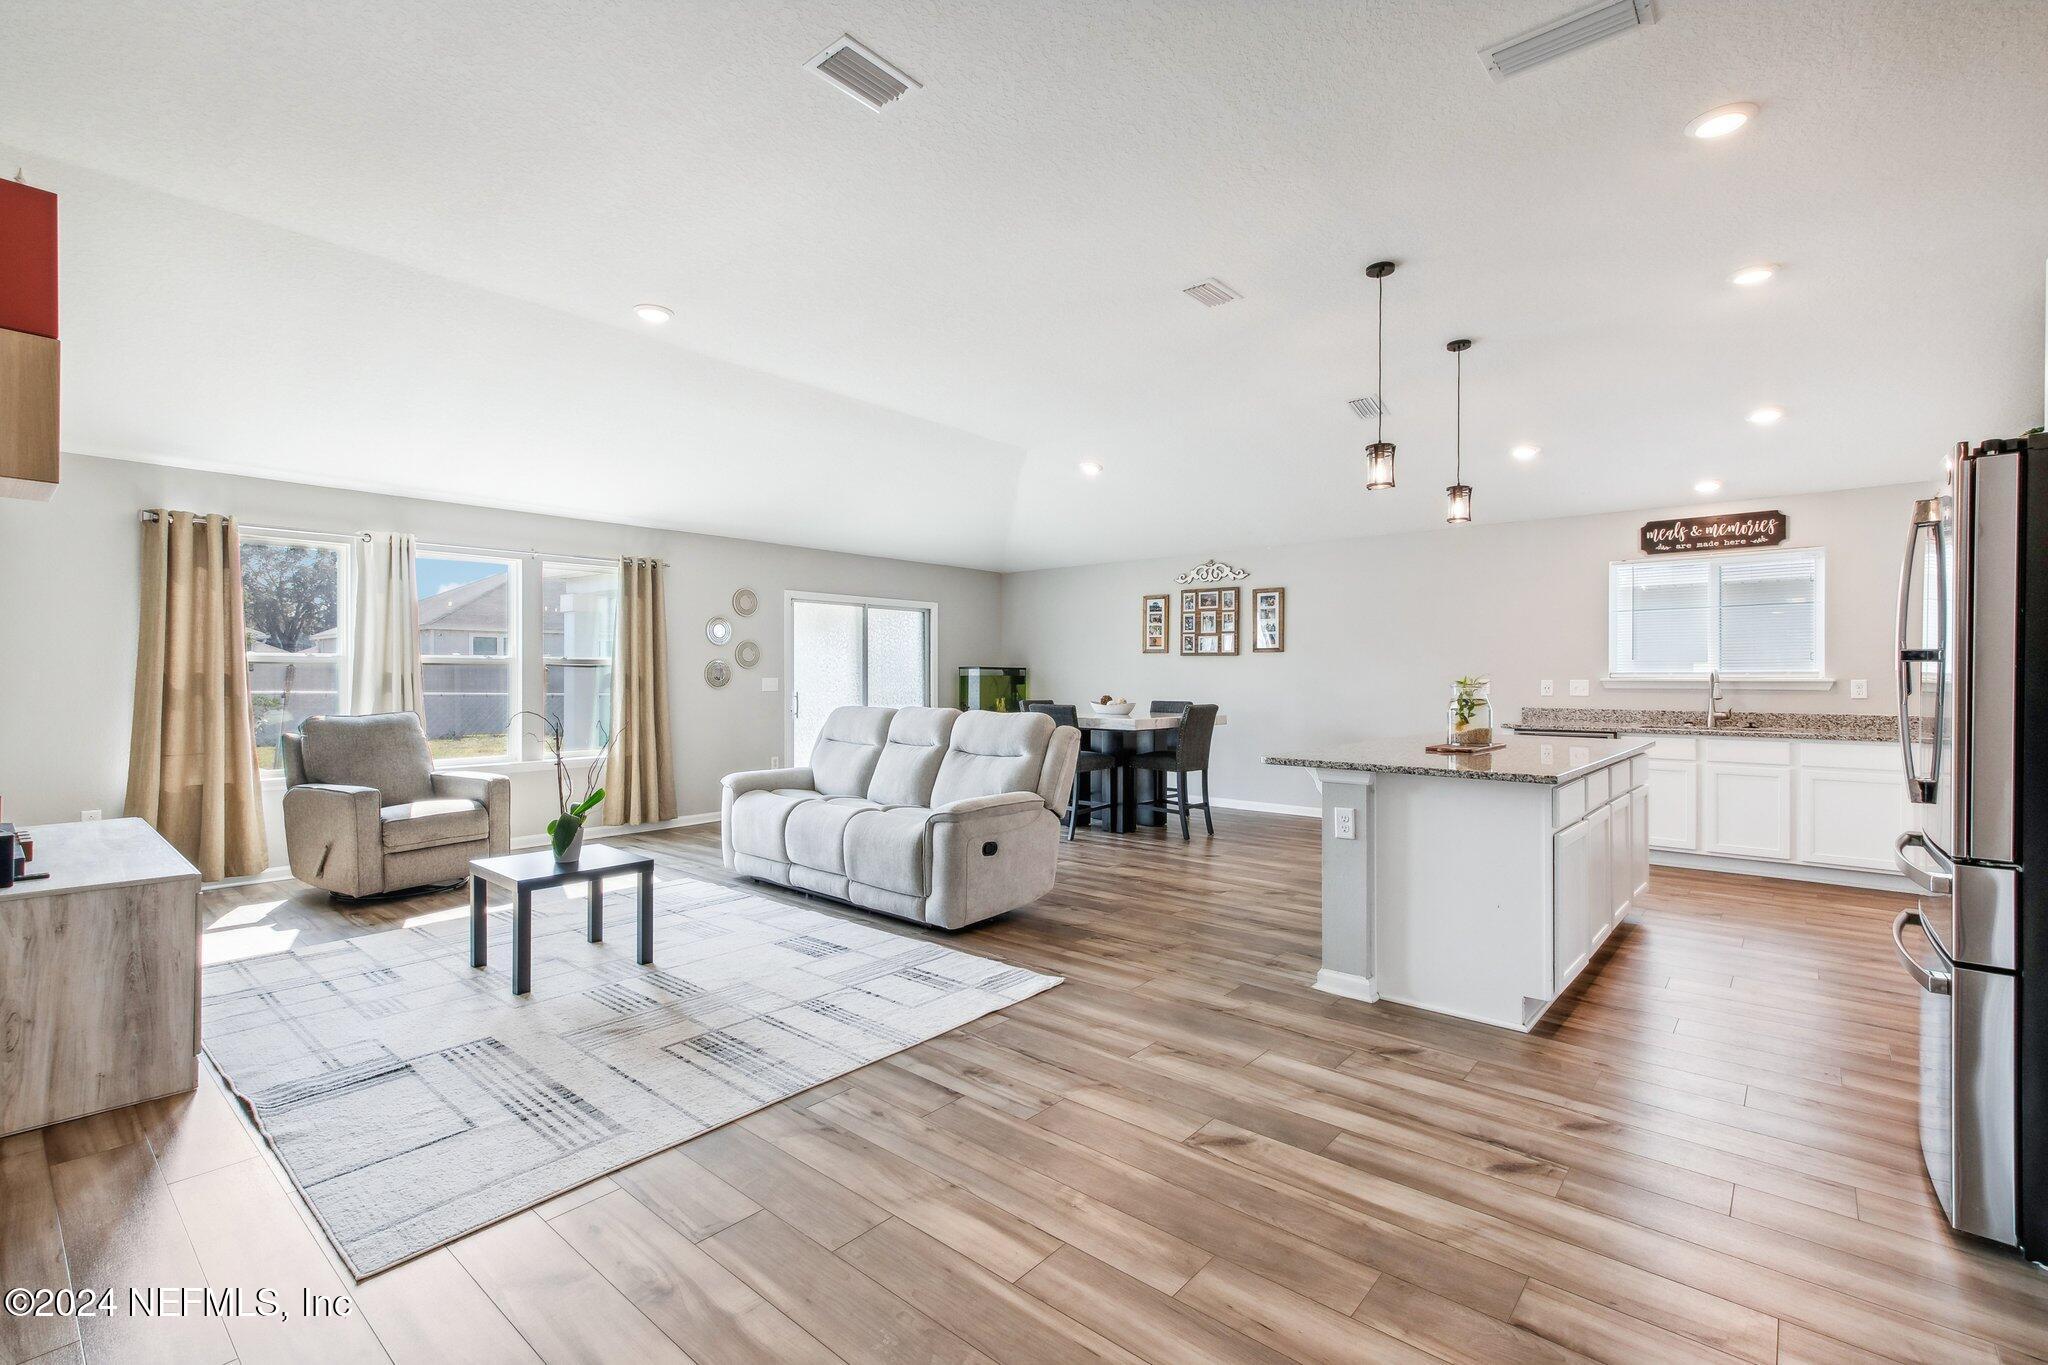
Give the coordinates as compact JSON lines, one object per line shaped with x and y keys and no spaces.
{"x":1848,"y":817}
{"x":1746,"y":810}
{"x":1675,"y":811}
{"x":1640,"y":811}
{"x":1621,"y":859}
{"x":1573,"y":853}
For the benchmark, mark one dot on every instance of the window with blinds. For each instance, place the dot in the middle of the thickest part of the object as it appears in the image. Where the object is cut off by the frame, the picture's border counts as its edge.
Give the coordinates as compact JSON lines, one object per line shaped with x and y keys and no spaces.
{"x":1742,"y":615}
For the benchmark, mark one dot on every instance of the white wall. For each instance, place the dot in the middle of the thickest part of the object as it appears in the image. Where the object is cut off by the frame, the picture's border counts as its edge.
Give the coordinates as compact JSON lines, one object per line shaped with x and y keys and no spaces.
{"x":69,"y":570}
{"x":1378,"y":627}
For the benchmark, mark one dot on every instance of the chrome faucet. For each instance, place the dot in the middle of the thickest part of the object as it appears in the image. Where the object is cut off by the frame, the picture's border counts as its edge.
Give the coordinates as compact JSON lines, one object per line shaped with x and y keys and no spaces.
{"x":1715,"y":711}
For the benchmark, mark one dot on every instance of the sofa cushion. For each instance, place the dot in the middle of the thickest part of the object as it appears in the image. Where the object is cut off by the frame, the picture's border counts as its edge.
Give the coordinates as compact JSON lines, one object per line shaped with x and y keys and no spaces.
{"x":759,"y":819}
{"x":848,"y":747}
{"x":909,"y":764}
{"x":388,"y":752}
{"x":815,"y":833}
{"x":886,"y":848}
{"x":993,"y":752}
{"x":433,"y":822}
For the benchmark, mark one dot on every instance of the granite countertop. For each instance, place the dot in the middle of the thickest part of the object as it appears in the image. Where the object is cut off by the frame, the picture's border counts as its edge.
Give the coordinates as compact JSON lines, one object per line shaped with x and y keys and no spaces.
{"x":1545,"y":761}
{"x":1756,"y":724}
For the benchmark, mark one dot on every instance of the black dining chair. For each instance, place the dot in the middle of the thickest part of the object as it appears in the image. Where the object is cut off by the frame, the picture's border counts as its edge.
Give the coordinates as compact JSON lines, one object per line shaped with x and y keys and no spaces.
{"x":1086,"y":764}
{"x":1187,"y":758}
{"x":1165,"y":741}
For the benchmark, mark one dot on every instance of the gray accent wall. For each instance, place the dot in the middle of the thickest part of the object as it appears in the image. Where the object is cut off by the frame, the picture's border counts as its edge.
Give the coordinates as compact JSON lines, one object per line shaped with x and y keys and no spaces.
{"x":69,"y":572}
{"x":1377,"y":627}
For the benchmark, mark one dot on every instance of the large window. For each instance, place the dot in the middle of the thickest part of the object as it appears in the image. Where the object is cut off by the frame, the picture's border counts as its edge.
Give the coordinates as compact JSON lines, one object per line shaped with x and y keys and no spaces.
{"x":469,"y":654}
{"x":1742,"y":615}
{"x":579,"y":627}
{"x":292,"y":609}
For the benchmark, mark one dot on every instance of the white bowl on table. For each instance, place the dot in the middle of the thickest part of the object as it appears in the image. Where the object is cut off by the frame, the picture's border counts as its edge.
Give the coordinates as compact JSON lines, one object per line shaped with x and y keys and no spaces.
{"x":1112,"y":708}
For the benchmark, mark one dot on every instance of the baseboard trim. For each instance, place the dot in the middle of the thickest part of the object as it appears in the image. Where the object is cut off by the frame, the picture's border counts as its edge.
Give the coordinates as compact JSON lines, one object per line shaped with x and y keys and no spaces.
{"x":1270,"y":808}
{"x":1795,"y":872}
{"x":1347,"y":984}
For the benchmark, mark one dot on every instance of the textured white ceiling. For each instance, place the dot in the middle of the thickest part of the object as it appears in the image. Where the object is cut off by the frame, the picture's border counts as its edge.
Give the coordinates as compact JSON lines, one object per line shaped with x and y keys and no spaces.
{"x":396,"y":245}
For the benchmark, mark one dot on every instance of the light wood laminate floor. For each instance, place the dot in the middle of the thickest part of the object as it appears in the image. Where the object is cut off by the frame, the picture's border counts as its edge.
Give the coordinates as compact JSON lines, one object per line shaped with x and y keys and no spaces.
{"x":1707,"y":1152}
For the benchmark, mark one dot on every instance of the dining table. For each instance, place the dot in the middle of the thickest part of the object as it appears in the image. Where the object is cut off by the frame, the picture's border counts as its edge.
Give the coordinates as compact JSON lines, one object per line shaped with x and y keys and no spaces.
{"x":1130,"y":734}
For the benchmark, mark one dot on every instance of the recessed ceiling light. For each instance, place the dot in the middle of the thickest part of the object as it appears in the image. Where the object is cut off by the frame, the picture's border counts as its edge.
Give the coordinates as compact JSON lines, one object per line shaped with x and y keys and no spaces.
{"x":1766,"y":416}
{"x":1720,"y":122}
{"x":1751,"y":276}
{"x":1091,"y":468}
{"x":1707,"y":486}
{"x":653,"y":314}
{"x":1526,"y":453}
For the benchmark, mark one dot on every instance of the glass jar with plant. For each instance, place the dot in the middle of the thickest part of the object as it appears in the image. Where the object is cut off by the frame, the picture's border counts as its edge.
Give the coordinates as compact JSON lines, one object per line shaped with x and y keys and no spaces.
{"x":1470,"y":715}
{"x":565,"y":831}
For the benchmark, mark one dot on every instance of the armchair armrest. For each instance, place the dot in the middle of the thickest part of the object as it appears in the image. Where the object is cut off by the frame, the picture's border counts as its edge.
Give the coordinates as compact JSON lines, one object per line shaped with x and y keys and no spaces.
{"x":333,"y":839}
{"x":987,"y":807}
{"x":738,"y":784}
{"x":492,"y":791}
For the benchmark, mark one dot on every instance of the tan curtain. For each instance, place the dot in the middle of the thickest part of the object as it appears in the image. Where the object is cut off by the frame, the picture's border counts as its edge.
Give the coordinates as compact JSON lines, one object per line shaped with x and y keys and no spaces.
{"x":384,"y":632}
{"x":641,"y":787}
{"x":191,"y":758}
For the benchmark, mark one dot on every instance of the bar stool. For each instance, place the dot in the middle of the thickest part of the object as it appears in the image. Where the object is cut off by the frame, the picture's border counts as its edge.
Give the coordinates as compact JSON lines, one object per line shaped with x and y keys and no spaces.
{"x":1086,"y":763}
{"x":1182,"y":762}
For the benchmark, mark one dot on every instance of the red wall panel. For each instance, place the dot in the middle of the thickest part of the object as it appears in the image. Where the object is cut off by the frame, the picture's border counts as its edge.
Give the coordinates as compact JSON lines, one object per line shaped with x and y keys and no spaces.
{"x":28,"y":259}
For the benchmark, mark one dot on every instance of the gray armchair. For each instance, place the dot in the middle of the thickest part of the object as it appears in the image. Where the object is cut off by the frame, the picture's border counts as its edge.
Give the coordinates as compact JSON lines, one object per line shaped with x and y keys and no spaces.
{"x":365,"y":814}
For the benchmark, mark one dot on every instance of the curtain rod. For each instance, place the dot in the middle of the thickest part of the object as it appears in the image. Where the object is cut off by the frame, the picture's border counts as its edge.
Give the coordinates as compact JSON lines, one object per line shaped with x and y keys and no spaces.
{"x":150,"y":515}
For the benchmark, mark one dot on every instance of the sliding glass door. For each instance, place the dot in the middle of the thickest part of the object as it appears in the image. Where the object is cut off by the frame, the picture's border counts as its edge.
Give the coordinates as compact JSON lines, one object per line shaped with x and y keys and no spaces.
{"x":846,"y":651}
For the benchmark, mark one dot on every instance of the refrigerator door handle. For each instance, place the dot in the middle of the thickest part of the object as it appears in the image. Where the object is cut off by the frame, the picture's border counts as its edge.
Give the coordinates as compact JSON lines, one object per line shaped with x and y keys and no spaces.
{"x":1926,"y":517}
{"x":1933,"y":981}
{"x":1936,"y":883}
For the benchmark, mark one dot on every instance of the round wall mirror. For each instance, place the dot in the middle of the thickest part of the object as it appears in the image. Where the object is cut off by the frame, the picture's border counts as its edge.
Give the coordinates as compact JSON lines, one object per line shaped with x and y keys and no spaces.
{"x":744,"y":602}
{"x":747,"y":654}
{"x":717,"y":673}
{"x":718,"y":631}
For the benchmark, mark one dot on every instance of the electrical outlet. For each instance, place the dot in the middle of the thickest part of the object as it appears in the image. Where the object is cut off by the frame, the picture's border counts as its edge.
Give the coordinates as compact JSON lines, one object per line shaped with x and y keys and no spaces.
{"x":1546,"y":688}
{"x":775,"y":760}
{"x":1346,"y":818}
{"x":1859,"y":689}
{"x":88,"y":816}
{"x":1581,"y":688}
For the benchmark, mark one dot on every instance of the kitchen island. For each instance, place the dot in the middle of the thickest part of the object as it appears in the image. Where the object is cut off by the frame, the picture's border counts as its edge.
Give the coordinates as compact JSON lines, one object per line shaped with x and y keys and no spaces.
{"x":1475,"y":885}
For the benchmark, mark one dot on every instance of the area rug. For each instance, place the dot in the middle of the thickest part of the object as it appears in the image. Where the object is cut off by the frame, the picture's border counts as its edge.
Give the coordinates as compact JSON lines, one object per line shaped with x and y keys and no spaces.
{"x":412,"y":1099}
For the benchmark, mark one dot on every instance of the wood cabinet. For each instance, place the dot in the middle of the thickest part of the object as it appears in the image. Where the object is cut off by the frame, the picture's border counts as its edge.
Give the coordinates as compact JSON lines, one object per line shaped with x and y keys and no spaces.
{"x":28,"y":415}
{"x":99,"y":972}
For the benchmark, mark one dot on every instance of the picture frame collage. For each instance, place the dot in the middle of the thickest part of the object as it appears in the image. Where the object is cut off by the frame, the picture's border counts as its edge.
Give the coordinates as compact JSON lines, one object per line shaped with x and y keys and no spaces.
{"x":1215,"y":621}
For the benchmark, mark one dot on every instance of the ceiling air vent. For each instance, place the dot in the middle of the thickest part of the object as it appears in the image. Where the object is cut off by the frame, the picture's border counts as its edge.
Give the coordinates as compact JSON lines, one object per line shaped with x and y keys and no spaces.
{"x":1561,"y":37}
{"x":1367,"y":408}
{"x":1210,"y":293}
{"x":861,"y":73}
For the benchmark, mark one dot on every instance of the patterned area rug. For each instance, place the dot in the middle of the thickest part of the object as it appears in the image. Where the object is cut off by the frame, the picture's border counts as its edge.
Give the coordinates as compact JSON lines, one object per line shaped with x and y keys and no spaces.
{"x":412,"y":1099}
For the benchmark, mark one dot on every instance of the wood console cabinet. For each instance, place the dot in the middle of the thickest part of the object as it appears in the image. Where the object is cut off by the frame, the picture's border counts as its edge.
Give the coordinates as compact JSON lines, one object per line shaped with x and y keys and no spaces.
{"x":99,"y":975}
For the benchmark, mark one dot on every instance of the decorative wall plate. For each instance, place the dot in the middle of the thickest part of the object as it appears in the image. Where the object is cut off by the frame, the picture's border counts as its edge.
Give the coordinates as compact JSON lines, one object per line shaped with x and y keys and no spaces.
{"x":718,"y":631}
{"x":717,"y":673}
{"x":747,"y":654}
{"x":744,"y":602}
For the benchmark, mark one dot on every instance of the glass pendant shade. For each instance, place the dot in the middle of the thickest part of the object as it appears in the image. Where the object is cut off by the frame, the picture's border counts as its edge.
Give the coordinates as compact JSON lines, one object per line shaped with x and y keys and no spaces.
{"x":1461,"y":502}
{"x":1379,"y":465}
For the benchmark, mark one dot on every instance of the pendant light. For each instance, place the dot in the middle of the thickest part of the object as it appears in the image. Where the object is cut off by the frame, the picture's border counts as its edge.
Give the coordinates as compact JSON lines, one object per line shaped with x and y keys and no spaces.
{"x":1379,"y":456}
{"x":1460,"y":492}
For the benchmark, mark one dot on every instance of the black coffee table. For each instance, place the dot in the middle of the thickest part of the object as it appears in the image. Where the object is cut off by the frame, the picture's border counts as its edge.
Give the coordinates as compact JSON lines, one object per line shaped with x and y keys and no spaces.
{"x":525,"y":873}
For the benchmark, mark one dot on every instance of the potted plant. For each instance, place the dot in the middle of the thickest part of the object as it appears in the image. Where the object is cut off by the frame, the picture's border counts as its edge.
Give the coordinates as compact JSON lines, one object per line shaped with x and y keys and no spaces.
{"x":1470,"y":714}
{"x":565,"y":831}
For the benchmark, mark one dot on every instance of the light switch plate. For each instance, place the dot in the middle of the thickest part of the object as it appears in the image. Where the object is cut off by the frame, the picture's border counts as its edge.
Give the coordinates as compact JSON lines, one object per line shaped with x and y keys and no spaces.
{"x":1346,"y":818}
{"x":1581,"y":688}
{"x":1546,"y":688}
{"x":1859,"y":689}
{"x":771,"y":684}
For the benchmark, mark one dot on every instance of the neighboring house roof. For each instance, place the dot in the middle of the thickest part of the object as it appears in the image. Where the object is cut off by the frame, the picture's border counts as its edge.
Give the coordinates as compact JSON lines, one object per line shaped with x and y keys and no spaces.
{"x":478,"y":606}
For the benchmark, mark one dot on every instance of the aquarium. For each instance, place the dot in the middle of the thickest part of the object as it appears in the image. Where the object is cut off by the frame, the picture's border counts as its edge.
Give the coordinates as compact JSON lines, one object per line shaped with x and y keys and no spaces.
{"x":985,"y":688}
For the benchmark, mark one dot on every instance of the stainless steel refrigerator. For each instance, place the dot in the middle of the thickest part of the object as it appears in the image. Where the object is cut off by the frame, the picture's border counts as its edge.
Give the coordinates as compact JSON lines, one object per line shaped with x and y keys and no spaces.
{"x":1973,"y":723}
